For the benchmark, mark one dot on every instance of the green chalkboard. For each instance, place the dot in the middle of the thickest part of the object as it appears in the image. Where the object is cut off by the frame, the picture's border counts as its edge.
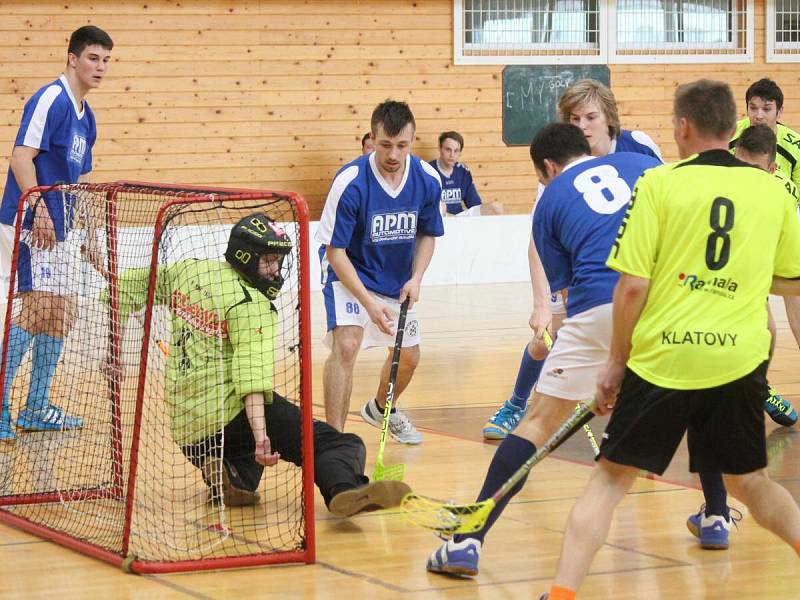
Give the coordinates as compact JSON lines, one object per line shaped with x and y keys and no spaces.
{"x":531,"y":93}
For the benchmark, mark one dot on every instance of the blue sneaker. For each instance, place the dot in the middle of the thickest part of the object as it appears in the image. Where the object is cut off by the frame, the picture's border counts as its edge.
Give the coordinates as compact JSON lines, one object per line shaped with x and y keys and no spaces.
{"x":712,"y":530}
{"x":456,"y":558}
{"x":7,"y":433}
{"x":779,"y":409}
{"x":503,"y":422}
{"x":50,"y":418}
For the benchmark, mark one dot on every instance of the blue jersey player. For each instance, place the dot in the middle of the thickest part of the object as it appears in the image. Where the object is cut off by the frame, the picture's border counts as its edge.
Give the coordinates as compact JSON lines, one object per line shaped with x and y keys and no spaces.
{"x":591,"y":106}
{"x":54,"y":144}
{"x":377,"y":231}
{"x":459,"y":195}
{"x":574,"y":227}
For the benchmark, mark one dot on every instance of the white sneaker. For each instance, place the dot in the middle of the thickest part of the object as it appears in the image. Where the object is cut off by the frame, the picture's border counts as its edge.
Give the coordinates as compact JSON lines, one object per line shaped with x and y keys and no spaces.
{"x":372,"y":414}
{"x":402,"y":430}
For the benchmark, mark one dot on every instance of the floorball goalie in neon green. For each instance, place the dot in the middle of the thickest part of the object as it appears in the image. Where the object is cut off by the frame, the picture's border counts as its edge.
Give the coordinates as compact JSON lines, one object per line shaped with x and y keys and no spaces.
{"x":222,"y":329}
{"x":225,"y":415}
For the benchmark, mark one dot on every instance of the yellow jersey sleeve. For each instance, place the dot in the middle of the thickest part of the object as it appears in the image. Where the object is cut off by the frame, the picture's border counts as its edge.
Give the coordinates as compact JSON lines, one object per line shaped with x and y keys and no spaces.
{"x":789,"y":185}
{"x":788,"y":156}
{"x":787,"y":254}
{"x":636,"y":248}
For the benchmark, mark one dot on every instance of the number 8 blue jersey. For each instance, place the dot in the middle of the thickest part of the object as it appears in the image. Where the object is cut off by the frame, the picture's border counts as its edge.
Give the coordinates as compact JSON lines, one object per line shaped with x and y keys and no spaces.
{"x":576,"y":222}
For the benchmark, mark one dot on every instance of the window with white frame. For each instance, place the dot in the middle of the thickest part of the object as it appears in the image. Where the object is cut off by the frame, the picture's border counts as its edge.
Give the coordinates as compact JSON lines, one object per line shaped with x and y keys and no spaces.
{"x":681,"y":31}
{"x":783,"y":31}
{"x":599,"y":31}
{"x":508,"y":31}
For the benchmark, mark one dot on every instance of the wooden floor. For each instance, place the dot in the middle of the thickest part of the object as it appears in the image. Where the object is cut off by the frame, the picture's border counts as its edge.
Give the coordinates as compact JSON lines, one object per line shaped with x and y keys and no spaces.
{"x":472,"y":340}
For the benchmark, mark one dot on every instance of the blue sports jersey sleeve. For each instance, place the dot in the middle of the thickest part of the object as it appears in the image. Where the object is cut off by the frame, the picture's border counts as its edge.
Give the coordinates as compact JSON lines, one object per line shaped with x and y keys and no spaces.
{"x":346,"y":218}
{"x":87,"y":159}
{"x":41,"y":119}
{"x":430,"y":217}
{"x":471,"y":198}
{"x":555,"y":259}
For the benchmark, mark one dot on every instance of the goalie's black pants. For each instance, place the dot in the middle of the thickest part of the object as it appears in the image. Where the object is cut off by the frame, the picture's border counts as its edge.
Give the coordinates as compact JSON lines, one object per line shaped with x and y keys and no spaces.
{"x":338,"y":457}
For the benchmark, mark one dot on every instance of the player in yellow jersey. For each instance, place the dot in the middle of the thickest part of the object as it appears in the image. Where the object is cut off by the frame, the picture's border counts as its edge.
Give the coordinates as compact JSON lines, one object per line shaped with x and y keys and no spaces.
{"x":757,"y":145}
{"x":764,"y":101}
{"x":697,"y":252}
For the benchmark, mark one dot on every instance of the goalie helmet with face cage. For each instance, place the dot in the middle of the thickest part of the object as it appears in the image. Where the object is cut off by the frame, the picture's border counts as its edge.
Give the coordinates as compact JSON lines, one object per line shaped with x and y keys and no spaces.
{"x":251,"y":238}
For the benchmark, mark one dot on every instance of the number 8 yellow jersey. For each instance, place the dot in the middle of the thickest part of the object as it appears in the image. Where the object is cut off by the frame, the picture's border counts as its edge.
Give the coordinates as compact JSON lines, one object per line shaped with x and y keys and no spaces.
{"x":708,"y":232}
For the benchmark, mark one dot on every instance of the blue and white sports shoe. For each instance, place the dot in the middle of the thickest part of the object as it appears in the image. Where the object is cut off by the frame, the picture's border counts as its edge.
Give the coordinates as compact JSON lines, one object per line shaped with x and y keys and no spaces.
{"x":456,"y":558}
{"x":50,"y":418}
{"x":503,"y":422}
{"x":712,"y":530}
{"x":7,"y":433}
{"x":779,"y":409}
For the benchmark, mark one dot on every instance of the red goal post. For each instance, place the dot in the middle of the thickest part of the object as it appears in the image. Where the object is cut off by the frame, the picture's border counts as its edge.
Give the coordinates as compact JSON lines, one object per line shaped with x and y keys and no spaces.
{"x":123,"y":487}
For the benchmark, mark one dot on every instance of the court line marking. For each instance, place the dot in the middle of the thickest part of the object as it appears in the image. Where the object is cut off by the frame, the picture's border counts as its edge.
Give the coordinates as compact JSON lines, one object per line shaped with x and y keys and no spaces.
{"x":366,"y":578}
{"x":158,"y":579}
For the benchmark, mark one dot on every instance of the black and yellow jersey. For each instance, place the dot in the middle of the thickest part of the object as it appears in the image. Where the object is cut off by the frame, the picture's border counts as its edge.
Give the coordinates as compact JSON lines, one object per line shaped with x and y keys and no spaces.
{"x":789,"y":185}
{"x":788,"y":154}
{"x":703,"y":233}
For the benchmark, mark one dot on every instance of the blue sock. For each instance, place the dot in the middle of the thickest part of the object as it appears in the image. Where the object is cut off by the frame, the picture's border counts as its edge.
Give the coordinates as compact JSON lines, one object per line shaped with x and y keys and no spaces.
{"x":510,"y":456}
{"x":715,"y":494}
{"x":46,"y":352}
{"x":18,"y":342}
{"x":527,"y":376}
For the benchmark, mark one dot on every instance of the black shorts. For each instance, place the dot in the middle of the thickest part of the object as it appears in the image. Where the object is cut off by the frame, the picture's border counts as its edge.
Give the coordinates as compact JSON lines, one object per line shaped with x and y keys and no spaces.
{"x":725,"y":425}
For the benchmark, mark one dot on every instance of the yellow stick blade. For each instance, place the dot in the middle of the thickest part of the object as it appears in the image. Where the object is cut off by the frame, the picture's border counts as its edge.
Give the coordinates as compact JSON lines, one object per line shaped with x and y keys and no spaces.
{"x":389,"y":472}
{"x":445,"y":517}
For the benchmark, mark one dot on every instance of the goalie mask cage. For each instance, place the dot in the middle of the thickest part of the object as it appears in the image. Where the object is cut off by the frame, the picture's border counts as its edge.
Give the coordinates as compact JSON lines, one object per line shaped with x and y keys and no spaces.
{"x":120,"y":488}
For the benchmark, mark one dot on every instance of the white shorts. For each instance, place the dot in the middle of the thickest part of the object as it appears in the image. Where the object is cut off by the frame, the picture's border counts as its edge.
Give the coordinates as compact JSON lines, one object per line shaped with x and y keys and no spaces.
{"x":579,"y":352}
{"x":342,"y":308}
{"x":55,"y":271}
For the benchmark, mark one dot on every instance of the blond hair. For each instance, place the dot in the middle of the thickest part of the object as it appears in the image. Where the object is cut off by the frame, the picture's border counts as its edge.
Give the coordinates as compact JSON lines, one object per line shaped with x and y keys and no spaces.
{"x":590,"y":90}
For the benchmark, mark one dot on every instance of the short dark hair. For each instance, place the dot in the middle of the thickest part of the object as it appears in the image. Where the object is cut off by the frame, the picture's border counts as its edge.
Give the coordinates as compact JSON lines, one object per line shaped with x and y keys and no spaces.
{"x":393,"y":115}
{"x":766,"y":89}
{"x":708,"y":105}
{"x":88,"y":35}
{"x":365,"y":138}
{"x":758,"y":139}
{"x":558,"y":142}
{"x":451,"y":135}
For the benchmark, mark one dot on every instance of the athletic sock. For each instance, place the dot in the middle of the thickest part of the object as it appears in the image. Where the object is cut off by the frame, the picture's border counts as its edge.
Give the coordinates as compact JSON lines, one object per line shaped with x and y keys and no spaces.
{"x":46,"y":352}
{"x":18,"y":342}
{"x":510,"y":456}
{"x":527,"y":376}
{"x":560,"y":593}
{"x":380,"y":408}
{"x":715,"y":494}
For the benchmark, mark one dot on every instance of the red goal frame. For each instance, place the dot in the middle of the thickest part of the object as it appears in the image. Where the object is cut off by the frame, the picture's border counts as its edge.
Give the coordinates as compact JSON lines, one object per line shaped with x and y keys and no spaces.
{"x":129,"y":562}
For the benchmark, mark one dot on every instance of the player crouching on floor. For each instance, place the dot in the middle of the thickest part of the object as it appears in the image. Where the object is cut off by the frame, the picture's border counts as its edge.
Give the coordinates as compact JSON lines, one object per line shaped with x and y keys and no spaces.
{"x":232,"y":345}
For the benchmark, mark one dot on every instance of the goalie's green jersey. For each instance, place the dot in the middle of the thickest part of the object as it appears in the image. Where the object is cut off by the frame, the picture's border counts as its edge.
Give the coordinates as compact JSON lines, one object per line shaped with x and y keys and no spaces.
{"x":708,"y":232}
{"x":221,"y":345}
{"x":788,"y":155}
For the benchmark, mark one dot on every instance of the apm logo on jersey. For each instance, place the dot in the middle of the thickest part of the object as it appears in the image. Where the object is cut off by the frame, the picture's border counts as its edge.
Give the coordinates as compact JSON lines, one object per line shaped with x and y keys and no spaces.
{"x":713,"y":285}
{"x":78,"y":149}
{"x":393,"y":227}
{"x":451,"y":196}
